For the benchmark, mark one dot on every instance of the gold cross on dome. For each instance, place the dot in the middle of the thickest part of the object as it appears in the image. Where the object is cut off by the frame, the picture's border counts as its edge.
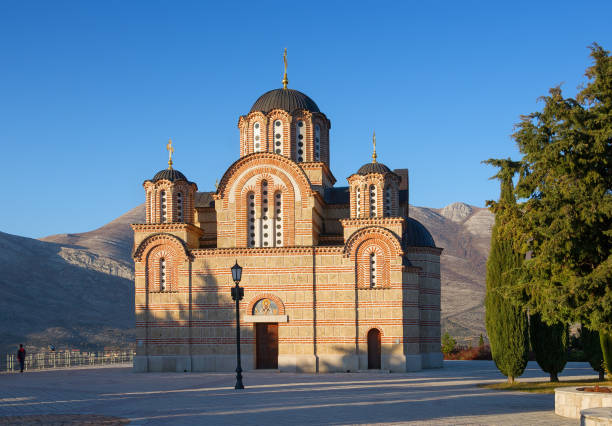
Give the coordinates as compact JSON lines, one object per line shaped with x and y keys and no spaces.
{"x":374,"y":144}
{"x":170,"y":152}
{"x":285,"y":79}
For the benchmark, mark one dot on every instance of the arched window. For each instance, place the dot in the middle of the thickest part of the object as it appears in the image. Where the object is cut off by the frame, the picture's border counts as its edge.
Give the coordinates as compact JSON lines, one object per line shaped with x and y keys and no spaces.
{"x":278,"y":219}
{"x":164,"y":216}
{"x":358,"y":201}
{"x":251,"y":232}
{"x":317,"y":143}
{"x":300,"y":138}
{"x":257,"y":143}
{"x":372,"y":270}
{"x":162,"y":274}
{"x":278,"y":137}
{"x":267,"y":230}
{"x":387,"y":201}
{"x":179,"y":207}
{"x":372,"y":201}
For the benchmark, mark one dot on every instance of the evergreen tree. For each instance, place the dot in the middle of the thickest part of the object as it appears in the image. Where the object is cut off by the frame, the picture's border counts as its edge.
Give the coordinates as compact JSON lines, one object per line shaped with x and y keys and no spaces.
{"x":592,"y":350}
{"x":606,"y":349}
{"x":448,"y":344}
{"x":550,"y":344}
{"x":505,"y":321}
{"x":566,"y":222}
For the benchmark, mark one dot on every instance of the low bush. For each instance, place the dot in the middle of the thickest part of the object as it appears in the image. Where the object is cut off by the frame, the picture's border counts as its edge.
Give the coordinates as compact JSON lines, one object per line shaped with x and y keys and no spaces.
{"x":469,"y":353}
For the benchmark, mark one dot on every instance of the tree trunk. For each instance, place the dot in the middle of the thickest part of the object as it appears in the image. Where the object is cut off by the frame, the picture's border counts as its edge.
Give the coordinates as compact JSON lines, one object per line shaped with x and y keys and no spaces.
{"x":554,"y":377}
{"x":510,"y":379}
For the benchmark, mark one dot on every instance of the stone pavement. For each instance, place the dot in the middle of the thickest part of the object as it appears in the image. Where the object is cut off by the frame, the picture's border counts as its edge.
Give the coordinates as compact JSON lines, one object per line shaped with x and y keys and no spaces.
{"x":438,"y":397}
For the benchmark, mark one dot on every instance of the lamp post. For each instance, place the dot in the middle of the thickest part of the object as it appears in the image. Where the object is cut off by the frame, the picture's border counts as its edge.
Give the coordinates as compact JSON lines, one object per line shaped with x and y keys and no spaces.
{"x":237,"y":295}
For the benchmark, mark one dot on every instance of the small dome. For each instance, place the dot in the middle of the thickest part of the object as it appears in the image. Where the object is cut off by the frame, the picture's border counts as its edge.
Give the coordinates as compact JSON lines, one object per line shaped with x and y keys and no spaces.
{"x":169,"y":174}
{"x":416,"y":235}
{"x":286,"y":99}
{"x":373,"y":168}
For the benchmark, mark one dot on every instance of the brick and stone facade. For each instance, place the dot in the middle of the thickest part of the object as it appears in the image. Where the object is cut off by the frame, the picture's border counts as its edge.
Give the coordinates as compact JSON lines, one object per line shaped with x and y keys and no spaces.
{"x":335,"y":278}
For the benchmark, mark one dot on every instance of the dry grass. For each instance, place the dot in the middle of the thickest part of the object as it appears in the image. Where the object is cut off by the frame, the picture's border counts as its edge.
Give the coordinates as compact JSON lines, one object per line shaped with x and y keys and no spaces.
{"x":542,"y":387}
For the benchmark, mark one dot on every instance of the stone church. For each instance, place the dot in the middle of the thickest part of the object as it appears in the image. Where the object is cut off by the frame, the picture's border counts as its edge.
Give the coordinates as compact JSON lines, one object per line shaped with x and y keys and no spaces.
{"x":335,"y":278}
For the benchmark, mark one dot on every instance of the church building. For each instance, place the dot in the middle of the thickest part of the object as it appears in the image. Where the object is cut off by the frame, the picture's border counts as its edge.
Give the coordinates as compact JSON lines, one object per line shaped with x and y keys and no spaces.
{"x":335,"y":278}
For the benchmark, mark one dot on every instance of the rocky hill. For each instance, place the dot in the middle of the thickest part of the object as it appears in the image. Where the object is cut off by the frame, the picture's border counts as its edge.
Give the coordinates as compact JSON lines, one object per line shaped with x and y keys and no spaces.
{"x":464,"y":232}
{"x":77,"y":289}
{"x":63,"y":295}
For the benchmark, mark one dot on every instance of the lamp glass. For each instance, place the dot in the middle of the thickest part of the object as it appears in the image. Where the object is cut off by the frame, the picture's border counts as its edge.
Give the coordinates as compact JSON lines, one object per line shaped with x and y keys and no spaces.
{"x":236,"y":272}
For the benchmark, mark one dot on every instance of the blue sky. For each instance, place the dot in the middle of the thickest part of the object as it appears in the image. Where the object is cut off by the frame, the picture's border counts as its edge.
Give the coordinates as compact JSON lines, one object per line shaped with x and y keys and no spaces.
{"x":91,"y":91}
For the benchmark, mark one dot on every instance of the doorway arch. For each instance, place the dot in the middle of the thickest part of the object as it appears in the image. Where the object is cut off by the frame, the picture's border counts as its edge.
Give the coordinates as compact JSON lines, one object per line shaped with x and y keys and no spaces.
{"x":374,"y":349}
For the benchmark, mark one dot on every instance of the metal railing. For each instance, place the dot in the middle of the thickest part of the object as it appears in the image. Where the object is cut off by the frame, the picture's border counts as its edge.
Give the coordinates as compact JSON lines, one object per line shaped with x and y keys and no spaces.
{"x":65,"y":359}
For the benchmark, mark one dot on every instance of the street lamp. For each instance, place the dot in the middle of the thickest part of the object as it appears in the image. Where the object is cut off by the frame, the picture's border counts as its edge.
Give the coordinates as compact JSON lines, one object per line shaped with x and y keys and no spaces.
{"x":237,"y":295}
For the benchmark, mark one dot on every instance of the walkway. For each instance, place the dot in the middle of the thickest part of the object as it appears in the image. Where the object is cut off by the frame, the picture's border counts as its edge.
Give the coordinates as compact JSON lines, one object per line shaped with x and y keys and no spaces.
{"x":442,"y":396}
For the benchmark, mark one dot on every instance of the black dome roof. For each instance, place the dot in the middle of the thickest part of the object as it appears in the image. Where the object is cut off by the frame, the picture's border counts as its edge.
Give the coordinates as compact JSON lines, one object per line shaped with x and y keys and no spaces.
{"x":373,"y":168}
{"x":416,"y":235}
{"x":286,"y":99}
{"x":169,"y":174}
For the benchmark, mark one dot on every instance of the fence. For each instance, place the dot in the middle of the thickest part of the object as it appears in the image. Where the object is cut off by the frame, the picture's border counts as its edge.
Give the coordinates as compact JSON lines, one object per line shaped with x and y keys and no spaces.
{"x":65,"y":359}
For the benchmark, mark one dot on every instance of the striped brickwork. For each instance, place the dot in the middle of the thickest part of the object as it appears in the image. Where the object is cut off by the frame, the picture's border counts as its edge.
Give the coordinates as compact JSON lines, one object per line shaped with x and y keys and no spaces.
{"x":331,"y":274}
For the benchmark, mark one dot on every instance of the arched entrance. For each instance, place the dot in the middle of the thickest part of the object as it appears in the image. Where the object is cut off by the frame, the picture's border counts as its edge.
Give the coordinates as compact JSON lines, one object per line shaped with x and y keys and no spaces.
{"x":374,"y":349}
{"x":266,"y":342}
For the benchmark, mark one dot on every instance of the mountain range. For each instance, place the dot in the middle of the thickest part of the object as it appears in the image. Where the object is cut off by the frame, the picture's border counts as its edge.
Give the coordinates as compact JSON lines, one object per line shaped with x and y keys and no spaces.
{"x":76,"y":290}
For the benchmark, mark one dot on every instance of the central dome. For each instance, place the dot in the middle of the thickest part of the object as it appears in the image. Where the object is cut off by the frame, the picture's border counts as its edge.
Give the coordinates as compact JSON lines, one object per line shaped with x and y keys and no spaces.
{"x":286,"y":99}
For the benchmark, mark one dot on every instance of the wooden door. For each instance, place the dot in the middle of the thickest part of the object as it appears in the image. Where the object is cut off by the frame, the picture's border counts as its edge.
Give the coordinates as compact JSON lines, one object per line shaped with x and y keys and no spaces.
{"x":266,"y":337}
{"x":374,"y":349}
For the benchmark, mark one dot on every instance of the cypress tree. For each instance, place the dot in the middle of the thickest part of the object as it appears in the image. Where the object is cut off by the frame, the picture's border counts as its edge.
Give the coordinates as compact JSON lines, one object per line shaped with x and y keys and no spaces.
{"x":592,"y":350}
{"x":606,"y":347}
{"x":549,"y":342}
{"x":506,"y":323}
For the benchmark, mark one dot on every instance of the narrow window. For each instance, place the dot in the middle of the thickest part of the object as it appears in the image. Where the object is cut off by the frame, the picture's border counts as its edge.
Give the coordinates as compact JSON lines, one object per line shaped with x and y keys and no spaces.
{"x":266,"y":222}
{"x":163,"y":206}
{"x":257,"y":143}
{"x":317,"y":143}
{"x":387,"y":210}
{"x":300,"y":138}
{"x":179,"y":207}
{"x":372,"y":201}
{"x":278,"y":137}
{"x":358,"y":201}
{"x":278,"y":219}
{"x":372,"y":270}
{"x":251,"y":219}
{"x":162,"y":274}
{"x":151,"y":208}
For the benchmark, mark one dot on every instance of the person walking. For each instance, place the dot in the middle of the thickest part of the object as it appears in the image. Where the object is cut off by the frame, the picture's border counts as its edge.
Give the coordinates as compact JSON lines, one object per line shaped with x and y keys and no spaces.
{"x":21,"y":353}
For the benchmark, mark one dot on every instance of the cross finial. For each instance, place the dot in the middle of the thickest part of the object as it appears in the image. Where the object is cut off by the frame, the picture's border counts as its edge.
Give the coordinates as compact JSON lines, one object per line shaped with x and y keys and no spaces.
{"x":170,"y":152}
{"x":374,"y":144}
{"x":285,"y":80}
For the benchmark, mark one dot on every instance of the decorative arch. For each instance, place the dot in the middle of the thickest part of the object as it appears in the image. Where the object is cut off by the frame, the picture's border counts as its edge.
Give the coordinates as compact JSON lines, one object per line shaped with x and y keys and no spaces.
{"x":384,"y":238}
{"x":179,"y":247}
{"x":263,"y":159}
{"x":374,"y":241}
{"x":279,"y":303}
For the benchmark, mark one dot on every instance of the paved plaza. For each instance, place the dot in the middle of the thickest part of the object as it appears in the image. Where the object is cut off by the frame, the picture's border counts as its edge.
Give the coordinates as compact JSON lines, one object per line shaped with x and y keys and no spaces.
{"x":443,"y":396}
